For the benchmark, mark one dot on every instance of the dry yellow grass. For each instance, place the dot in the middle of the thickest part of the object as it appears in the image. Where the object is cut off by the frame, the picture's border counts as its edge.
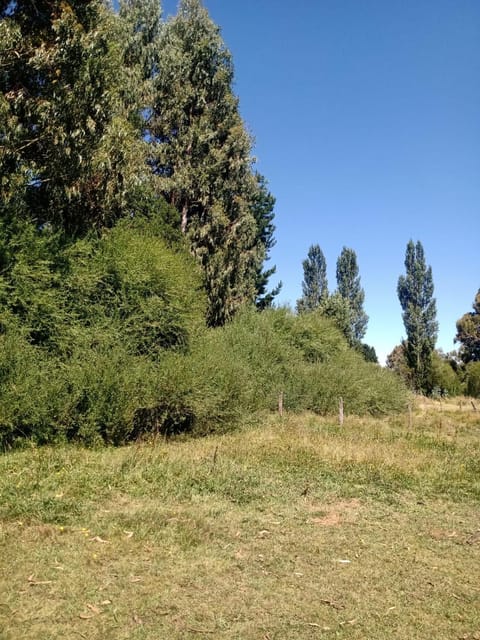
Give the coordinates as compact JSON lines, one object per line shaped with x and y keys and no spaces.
{"x":298,"y":529}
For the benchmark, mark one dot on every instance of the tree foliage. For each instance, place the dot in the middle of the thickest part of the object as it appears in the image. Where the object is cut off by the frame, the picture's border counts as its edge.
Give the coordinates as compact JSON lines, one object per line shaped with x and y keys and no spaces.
{"x":336,"y":308}
{"x":263,"y":204}
{"x":143,"y":23}
{"x":349,"y":288}
{"x":415,"y":292}
{"x":315,"y":284}
{"x":368,"y":352}
{"x":100,"y":112}
{"x":446,"y":378}
{"x":472,"y":374}
{"x":202,"y":155}
{"x":468,"y":333}
{"x":397,"y":362}
{"x":71,"y":151}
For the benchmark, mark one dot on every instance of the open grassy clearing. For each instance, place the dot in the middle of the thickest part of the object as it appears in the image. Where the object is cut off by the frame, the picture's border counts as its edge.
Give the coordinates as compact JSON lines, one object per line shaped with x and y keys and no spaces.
{"x":295,"y":529}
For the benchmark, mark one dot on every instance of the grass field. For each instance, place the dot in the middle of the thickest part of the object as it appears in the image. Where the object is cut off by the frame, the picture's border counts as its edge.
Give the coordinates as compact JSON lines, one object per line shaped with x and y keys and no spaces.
{"x":295,"y":529}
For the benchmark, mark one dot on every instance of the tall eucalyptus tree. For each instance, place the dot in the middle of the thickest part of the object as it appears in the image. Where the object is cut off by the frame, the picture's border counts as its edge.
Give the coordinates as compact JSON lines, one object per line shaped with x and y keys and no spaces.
{"x":202,"y":155}
{"x":70,"y":147}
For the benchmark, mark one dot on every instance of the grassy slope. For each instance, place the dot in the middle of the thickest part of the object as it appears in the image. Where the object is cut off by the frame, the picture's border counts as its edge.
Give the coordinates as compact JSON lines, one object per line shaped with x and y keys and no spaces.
{"x":298,"y":529}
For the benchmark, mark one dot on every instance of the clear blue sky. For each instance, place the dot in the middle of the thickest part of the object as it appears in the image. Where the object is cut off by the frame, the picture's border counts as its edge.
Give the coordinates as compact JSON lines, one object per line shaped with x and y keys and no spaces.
{"x":366,"y":115}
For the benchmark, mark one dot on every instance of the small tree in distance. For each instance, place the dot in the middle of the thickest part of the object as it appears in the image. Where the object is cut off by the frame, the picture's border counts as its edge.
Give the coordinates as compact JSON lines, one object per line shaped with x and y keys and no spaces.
{"x":415,"y":293}
{"x":468,"y":333}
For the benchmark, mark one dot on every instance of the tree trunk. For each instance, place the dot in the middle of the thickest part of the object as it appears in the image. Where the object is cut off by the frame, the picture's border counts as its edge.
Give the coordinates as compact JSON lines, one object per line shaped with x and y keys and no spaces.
{"x":184,"y":219}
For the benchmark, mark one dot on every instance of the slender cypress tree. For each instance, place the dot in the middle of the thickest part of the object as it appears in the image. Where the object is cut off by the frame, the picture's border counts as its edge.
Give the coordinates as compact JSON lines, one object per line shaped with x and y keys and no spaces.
{"x":315,"y":284}
{"x":348,"y":286}
{"x":415,"y":293}
{"x":262,"y":207}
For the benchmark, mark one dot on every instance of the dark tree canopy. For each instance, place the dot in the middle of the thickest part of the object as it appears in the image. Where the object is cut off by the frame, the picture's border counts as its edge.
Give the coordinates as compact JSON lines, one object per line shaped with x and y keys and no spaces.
{"x":468,"y":333}
{"x":368,"y":352}
{"x":415,"y":293}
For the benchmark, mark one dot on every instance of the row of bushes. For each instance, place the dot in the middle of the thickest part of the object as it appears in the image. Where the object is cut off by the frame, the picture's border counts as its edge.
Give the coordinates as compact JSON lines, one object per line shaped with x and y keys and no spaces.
{"x":103,"y":340}
{"x":449,"y":376}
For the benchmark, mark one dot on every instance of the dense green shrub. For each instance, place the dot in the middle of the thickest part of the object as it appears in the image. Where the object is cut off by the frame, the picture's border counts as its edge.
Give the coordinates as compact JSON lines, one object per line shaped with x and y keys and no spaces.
{"x":103,"y":339}
{"x":337,"y":371}
{"x":472,"y":374}
{"x":83,"y":328}
{"x":31,"y":389}
{"x":132,"y":281}
{"x":446,"y":380}
{"x":233,"y":372}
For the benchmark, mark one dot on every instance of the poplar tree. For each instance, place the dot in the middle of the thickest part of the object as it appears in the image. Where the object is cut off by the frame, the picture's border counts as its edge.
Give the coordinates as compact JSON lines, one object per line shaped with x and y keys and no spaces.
{"x":349,"y":288}
{"x":315,"y":284}
{"x":415,"y":293}
{"x":202,"y":155}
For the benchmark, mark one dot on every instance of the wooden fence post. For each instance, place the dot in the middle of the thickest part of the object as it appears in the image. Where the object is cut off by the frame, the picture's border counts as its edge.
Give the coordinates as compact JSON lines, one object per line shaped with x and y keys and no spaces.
{"x":280,"y":404}
{"x":340,"y":412}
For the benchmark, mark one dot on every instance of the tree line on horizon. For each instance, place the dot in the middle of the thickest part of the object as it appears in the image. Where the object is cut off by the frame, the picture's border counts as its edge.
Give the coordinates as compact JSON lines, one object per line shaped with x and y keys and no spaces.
{"x":423,"y":368}
{"x":345,"y":305}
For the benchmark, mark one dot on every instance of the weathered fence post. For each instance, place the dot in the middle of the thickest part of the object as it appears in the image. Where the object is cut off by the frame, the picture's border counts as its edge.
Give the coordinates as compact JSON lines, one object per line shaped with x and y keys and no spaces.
{"x":280,"y":404}
{"x":214,"y":459}
{"x":410,"y":416}
{"x":340,"y":412}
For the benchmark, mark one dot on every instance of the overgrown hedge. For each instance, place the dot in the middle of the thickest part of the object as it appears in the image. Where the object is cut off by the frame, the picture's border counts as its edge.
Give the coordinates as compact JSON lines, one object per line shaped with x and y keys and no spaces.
{"x":239,"y":370}
{"x":103,"y":340}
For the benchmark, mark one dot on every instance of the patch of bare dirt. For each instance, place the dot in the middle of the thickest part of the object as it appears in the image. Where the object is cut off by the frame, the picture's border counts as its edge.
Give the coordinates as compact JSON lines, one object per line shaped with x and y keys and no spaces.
{"x":335,"y":514}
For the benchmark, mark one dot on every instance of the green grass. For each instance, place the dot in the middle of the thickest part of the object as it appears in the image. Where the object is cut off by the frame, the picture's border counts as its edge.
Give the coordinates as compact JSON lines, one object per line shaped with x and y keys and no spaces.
{"x":296,"y":529}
